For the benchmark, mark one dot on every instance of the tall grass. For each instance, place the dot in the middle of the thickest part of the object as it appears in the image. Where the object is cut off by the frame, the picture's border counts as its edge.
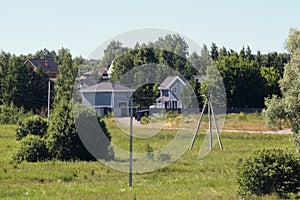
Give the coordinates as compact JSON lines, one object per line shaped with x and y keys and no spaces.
{"x":188,"y":178}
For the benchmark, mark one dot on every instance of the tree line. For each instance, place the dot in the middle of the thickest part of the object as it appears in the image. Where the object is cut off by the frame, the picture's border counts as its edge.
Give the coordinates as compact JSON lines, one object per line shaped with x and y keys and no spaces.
{"x":248,"y":77}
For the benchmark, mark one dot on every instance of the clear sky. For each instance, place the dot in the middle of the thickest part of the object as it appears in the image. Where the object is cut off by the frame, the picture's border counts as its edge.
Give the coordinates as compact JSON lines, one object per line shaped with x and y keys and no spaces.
{"x":81,"y":26}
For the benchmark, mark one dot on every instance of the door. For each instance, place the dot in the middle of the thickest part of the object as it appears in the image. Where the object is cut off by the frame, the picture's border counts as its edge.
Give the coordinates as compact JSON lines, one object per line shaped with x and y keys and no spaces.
{"x":174,"y":104}
{"x":123,"y":107}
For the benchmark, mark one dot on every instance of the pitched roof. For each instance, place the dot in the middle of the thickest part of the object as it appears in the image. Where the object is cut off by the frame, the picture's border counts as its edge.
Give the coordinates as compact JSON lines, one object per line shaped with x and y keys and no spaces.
{"x":167,"y":83}
{"x":89,"y":82}
{"x":100,"y":71}
{"x":163,"y":99}
{"x":52,"y":65}
{"x":107,"y":86}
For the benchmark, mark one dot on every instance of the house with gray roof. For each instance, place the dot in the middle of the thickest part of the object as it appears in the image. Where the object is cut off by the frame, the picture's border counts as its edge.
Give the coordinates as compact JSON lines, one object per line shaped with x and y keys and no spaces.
{"x":107,"y":97}
{"x":48,"y":66}
{"x":170,"y":90}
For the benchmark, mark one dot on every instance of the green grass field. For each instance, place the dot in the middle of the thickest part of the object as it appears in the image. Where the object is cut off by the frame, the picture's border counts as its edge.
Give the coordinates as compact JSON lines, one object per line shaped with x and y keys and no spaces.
{"x":188,"y":178}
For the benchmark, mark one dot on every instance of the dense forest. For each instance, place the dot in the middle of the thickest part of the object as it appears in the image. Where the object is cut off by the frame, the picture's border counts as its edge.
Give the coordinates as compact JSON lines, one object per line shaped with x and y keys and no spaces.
{"x":248,"y":77}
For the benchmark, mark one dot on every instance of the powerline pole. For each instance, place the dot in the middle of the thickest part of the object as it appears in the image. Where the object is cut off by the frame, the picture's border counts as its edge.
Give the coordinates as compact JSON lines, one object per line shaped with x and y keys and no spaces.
{"x":211,"y":117}
{"x":130,"y":142}
{"x":48,"y":109}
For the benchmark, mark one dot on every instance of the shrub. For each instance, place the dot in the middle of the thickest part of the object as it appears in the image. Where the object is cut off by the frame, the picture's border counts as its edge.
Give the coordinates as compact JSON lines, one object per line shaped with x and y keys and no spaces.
{"x":32,"y":149}
{"x":164,"y":157}
{"x":267,"y":172}
{"x":86,"y":138}
{"x":172,"y":114}
{"x":33,"y":125}
{"x":242,"y":116}
{"x":10,"y":114}
{"x":149,"y":151}
{"x":62,"y":139}
{"x":145,"y":120}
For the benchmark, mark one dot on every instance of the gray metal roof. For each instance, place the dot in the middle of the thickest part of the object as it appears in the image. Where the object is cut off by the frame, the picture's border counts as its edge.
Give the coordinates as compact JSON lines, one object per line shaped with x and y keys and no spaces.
{"x":107,"y":86}
{"x":165,"y":85}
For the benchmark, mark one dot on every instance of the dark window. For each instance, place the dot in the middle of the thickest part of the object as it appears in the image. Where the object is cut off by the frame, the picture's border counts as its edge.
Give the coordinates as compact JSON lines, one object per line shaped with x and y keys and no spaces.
{"x":165,"y":93}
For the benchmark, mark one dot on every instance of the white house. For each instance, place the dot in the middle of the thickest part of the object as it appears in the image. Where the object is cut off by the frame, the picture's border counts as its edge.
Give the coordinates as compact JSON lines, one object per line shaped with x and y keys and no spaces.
{"x":170,"y":90}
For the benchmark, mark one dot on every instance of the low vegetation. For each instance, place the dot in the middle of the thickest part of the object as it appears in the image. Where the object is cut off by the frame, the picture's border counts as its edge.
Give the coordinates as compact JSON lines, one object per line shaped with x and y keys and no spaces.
{"x":269,"y":171}
{"x":213,"y":177}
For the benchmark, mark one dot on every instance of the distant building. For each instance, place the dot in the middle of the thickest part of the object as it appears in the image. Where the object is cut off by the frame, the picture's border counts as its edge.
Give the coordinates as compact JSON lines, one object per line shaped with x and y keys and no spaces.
{"x":107,"y":97}
{"x":99,"y":71}
{"x":84,"y":83}
{"x":48,"y":66}
{"x":170,"y":90}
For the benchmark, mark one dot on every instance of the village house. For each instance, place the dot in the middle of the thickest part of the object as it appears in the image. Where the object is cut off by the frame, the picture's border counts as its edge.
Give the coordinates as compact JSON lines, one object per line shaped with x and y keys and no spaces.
{"x":48,"y":66}
{"x":170,"y":90}
{"x":107,"y":97}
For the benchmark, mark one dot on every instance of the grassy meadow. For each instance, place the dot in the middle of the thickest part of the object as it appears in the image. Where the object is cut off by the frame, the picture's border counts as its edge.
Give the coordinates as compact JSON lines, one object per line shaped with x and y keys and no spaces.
{"x":212,"y":177}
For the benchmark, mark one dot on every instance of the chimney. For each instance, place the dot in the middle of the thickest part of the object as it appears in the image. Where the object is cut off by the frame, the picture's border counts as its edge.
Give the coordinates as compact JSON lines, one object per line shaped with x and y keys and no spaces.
{"x":46,"y":63}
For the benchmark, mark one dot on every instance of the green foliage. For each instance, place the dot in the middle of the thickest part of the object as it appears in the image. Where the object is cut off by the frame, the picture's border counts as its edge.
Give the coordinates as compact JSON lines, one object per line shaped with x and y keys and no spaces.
{"x":271,"y":78}
{"x":243,"y":81}
{"x":62,"y":138}
{"x":12,"y":114}
{"x":214,"y":52}
{"x":267,"y":172}
{"x":23,"y":86}
{"x":45,"y":54}
{"x":148,"y":92}
{"x":164,"y":157}
{"x":149,"y":151}
{"x":274,"y":114}
{"x":32,"y":125}
{"x":112,"y":51}
{"x":65,"y":81}
{"x":293,"y":41}
{"x":242,"y":116}
{"x":248,"y":78}
{"x":188,"y":97}
{"x":213,"y":85}
{"x":173,"y":43}
{"x":172,"y":114}
{"x":145,"y":120}
{"x":209,"y":178}
{"x":287,"y":108}
{"x":32,"y":149}
{"x":93,"y":131}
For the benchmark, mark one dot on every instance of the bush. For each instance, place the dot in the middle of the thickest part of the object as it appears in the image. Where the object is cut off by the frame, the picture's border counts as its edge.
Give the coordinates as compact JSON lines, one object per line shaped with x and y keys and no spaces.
{"x":267,"y":172}
{"x":145,"y":120}
{"x":149,"y":151}
{"x":33,"y":125}
{"x":86,"y":138}
{"x":242,"y":116}
{"x":32,"y":149}
{"x":11,"y":114}
{"x":164,"y":157}
{"x":172,"y":114}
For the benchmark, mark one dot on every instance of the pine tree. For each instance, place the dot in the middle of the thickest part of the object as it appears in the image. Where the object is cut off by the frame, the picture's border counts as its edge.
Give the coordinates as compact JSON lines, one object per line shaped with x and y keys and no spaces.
{"x":63,"y":139}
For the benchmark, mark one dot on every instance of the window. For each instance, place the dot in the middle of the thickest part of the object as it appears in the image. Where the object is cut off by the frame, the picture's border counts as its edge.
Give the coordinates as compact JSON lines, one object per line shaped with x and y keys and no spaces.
{"x":174,"y":104}
{"x":174,"y":90}
{"x":165,"y":93}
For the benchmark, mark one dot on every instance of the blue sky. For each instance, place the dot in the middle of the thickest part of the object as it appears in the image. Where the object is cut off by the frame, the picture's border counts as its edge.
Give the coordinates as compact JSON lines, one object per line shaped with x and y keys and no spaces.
{"x":81,"y":26}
